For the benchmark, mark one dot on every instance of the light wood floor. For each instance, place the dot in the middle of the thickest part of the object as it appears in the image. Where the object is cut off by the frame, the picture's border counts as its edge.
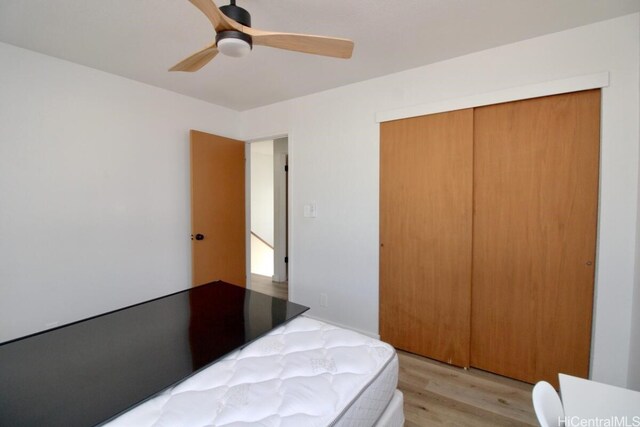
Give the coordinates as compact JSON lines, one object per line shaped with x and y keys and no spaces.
{"x":264,"y":285}
{"x":436,"y":394}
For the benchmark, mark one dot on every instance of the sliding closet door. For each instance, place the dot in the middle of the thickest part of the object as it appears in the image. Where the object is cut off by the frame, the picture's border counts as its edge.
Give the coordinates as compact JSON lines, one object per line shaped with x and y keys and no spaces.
{"x":535,"y":203}
{"x":425,"y":234}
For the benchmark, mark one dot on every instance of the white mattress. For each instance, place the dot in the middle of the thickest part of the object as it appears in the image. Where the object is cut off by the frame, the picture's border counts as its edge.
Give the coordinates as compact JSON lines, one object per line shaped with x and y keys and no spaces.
{"x":304,"y":373}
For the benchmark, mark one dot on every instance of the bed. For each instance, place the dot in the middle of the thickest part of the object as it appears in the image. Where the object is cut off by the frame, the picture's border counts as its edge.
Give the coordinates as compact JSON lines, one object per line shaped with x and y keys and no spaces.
{"x":216,"y":355}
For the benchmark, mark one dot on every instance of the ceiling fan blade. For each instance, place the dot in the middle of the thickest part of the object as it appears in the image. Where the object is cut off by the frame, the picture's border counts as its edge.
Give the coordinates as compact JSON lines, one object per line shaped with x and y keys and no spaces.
{"x":305,"y":43}
{"x":197,"y":60}
{"x":220,"y":21}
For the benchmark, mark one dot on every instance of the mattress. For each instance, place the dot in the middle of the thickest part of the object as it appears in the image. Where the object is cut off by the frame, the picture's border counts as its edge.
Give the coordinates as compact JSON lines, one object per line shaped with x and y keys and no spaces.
{"x":304,"y":373}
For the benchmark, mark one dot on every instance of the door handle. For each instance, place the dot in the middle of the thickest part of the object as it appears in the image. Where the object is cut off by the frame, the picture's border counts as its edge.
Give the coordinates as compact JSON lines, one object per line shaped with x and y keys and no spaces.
{"x":199,"y":236}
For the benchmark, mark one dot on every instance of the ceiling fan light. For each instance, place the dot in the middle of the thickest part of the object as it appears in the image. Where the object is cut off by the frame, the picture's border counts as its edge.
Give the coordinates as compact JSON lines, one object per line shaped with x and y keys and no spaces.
{"x":234,"y":47}
{"x":234,"y":43}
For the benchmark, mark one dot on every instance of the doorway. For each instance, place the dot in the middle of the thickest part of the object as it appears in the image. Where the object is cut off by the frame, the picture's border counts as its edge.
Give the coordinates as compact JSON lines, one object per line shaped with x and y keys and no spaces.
{"x":268,"y":189}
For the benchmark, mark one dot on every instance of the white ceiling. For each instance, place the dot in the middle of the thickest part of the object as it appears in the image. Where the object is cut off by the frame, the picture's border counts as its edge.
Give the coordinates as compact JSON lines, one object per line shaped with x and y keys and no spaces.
{"x":141,"y":39}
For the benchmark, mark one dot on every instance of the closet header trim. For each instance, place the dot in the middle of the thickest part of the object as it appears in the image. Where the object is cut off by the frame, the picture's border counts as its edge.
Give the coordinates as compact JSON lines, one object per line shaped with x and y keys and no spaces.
{"x":554,"y":87}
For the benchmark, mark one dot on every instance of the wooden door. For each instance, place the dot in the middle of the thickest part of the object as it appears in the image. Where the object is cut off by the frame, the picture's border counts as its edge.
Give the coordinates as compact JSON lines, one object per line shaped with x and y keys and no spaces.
{"x":535,"y":204}
{"x":218,"y":209}
{"x":425,"y":234}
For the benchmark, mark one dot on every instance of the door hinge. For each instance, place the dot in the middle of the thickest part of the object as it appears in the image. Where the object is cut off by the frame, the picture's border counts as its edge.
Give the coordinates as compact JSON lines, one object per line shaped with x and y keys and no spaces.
{"x":286,"y":168}
{"x":286,"y":259}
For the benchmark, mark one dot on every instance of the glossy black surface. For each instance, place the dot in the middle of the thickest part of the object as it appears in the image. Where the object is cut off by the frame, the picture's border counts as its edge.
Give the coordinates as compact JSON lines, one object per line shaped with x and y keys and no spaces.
{"x":88,"y":372}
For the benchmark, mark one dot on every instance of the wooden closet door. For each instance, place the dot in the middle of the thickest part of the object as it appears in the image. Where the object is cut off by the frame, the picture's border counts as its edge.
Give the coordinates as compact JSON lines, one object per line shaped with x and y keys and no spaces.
{"x":425,"y":234}
{"x":535,"y":211}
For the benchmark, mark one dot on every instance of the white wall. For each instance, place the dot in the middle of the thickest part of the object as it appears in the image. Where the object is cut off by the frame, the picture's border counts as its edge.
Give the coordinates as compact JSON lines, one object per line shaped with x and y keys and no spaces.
{"x":94,"y":190}
{"x":334,"y":146}
{"x":634,"y":354}
{"x":262,"y":197}
{"x":262,"y":189}
{"x":261,"y":257}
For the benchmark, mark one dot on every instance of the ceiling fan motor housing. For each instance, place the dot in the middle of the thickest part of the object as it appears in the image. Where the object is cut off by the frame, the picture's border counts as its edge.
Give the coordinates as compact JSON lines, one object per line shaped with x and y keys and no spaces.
{"x":238,"y":14}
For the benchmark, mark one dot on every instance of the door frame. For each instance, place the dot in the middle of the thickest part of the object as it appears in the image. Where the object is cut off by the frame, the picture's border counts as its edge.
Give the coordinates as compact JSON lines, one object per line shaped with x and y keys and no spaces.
{"x":247,"y":198}
{"x":247,"y":210}
{"x":280,"y":214}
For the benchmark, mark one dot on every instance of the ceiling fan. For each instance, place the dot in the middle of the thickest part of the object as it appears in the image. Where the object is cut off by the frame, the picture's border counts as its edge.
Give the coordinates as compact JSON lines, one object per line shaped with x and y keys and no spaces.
{"x":235,"y":37}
